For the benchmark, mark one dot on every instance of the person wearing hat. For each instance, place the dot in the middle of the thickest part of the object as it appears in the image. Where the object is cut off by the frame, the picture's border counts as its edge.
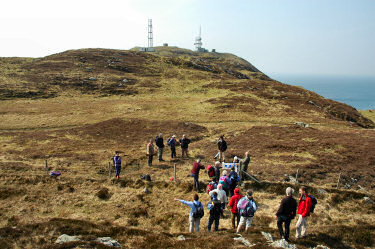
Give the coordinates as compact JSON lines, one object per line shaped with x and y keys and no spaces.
{"x":221,"y":196}
{"x":172,"y":144}
{"x":233,"y":207}
{"x":117,"y":163}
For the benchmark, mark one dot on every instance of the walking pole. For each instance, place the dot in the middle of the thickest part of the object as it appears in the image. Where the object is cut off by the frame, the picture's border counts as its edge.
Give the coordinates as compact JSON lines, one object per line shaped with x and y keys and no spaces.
{"x":46,"y":167}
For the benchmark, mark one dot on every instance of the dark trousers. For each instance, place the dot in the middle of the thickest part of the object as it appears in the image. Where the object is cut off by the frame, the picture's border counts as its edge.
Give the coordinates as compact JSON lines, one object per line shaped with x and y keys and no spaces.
{"x":150,"y":159}
{"x":173,"y":152}
{"x":196,"y":181}
{"x":118,"y":170}
{"x":211,"y":220}
{"x":235,"y":217}
{"x":280,"y":220}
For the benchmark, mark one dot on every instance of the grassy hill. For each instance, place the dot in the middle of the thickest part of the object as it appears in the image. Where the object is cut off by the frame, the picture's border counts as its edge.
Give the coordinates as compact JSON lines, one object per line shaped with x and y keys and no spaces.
{"x":75,"y":108}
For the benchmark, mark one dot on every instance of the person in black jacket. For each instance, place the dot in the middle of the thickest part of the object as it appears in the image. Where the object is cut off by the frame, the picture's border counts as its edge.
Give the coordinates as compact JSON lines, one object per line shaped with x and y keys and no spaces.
{"x":287,"y":212}
{"x":184,"y":142}
{"x":160,"y":144}
{"x":222,"y":146}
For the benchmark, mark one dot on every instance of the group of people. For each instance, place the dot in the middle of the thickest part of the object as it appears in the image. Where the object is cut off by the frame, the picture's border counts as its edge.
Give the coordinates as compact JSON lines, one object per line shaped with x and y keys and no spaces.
{"x":243,"y":208}
{"x":172,"y":143}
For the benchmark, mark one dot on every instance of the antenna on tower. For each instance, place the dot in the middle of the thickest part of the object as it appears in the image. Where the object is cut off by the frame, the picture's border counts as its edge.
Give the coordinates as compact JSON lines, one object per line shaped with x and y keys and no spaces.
{"x":150,"y":45}
{"x":198,"y":42}
{"x":150,"y":38}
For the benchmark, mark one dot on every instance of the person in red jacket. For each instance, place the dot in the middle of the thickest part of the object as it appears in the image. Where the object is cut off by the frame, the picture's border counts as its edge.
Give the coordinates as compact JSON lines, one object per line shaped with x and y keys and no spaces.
{"x":233,"y":207}
{"x":303,"y":210}
{"x":195,"y":173}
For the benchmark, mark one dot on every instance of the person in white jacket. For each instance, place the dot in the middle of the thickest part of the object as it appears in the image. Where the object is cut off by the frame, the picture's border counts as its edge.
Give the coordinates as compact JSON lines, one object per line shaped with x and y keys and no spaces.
{"x":221,"y":196}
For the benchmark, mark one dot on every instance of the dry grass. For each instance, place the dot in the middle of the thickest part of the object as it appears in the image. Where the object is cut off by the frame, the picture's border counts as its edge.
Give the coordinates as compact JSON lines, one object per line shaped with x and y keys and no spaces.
{"x":174,"y":92}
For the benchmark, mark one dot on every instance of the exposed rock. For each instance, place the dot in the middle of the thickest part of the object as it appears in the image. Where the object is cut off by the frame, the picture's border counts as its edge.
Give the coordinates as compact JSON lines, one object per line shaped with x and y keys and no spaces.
{"x":181,"y":237}
{"x":64,"y":238}
{"x":368,"y":200}
{"x":321,"y":191}
{"x":92,"y":78}
{"x":321,"y":247}
{"x":146,"y":191}
{"x":108,"y":241}
{"x":244,"y":241}
{"x":268,"y":236}
{"x":302,"y":124}
{"x":125,"y":80}
{"x":89,"y":69}
{"x":312,"y":103}
{"x":283,"y":244}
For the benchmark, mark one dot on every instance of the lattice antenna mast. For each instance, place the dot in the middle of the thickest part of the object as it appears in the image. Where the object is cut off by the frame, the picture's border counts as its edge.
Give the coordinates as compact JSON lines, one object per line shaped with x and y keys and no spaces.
{"x":198,"y":41}
{"x":150,"y":37}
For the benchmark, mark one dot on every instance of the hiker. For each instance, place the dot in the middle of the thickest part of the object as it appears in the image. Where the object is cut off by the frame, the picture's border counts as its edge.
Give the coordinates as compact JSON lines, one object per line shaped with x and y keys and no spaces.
{"x":150,"y":152}
{"x":247,"y":208}
{"x":233,"y":207}
{"x":286,"y":212}
{"x":233,"y":176}
{"x":214,"y":206}
{"x":196,"y":212}
{"x":304,"y":207}
{"x":221,"y":196}
{"x":222,"y":146}
{"x":184,"y":142}
{"x":244,"y":163}
{"x":211,"y":172}
{"x":172,"y":145}
{"x":195,"y":173}
{"x":160,"y":144}
{"x":236,"y":159}
{"x":225,"y":181}
{"x":211,"y":186}
{"x":217,"y":171}
{"x":117,"y":163}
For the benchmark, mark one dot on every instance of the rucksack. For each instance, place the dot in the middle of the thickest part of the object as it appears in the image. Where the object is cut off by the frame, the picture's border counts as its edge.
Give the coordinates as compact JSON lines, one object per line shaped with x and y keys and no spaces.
{"x":234,"y":178}
{"x":246,"y":209}
{"x":210,"y":205}
{"x":314,"y":201}
{"x":198,"y":212}
{"x":225,"y":180}
{"x":211,"y":171}
{"x":209,"y":188}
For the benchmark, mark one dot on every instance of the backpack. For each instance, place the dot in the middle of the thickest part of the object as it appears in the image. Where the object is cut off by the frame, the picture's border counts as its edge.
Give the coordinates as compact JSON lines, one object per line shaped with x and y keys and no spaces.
{"x":210,"y":205}
{"x":209,"y":188}
{"x":198,"y":212}
{"x":314,"y":201}
{"x":246,"y":209}
{"x":225,"y":181}
{"x":211,"y":171}
{"x":234,"y":178}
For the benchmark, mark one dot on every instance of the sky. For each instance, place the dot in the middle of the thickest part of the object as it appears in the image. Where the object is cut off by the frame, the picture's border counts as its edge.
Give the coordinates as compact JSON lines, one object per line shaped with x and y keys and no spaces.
{"x":302,"y":37}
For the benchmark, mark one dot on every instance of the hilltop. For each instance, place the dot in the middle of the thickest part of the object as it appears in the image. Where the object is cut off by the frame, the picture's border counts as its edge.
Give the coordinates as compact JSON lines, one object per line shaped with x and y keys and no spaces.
{"x":75,"y":108}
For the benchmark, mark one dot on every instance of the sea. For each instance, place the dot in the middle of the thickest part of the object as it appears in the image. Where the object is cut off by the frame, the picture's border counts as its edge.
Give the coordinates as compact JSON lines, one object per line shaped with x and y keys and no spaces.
{"x":356,"y":91}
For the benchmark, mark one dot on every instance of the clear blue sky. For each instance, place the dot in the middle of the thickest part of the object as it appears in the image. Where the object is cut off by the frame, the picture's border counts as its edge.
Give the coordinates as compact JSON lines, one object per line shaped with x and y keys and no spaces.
{"x":315,"y":37}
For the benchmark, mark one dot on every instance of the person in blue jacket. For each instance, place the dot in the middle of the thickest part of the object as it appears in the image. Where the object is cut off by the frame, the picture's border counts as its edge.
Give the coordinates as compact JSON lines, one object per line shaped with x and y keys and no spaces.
{"x":117,"y":163}
{"x":195,"y":207}
{"x":172,"y":144}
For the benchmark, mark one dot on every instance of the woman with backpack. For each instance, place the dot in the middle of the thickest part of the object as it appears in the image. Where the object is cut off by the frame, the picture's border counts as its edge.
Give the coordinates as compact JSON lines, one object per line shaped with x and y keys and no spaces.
{"x":196,"y":212}
{"x":233,"y":207}
{"x":214,"y":206}
{"x":247,"y":208}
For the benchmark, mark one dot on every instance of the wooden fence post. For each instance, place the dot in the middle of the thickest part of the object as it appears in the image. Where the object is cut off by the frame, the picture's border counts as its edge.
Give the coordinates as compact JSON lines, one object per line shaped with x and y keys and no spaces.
{"x":297,"y":176}
{"x":338,"y":180}
{"x":174,"y":168}
{"x":46,"y":167}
